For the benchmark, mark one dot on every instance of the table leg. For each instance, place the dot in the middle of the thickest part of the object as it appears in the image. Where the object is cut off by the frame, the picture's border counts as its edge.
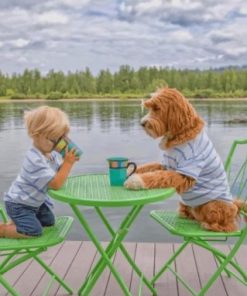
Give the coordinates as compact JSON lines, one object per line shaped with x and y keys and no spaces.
{"x":125,"y":253}
{"x":108,"y":253}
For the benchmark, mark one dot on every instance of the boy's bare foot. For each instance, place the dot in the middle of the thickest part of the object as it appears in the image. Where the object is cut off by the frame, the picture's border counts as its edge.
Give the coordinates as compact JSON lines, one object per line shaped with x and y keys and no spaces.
{"x":2,"y":230}
{"x":8,"y":230}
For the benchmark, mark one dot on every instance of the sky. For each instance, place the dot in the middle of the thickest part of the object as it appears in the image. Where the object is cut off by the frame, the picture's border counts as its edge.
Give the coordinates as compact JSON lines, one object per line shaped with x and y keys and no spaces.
{"x":70,"y":35}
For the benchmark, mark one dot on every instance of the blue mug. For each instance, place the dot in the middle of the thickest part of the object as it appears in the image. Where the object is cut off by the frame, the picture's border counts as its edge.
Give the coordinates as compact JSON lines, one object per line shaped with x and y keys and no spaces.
{"x":118,"y":167}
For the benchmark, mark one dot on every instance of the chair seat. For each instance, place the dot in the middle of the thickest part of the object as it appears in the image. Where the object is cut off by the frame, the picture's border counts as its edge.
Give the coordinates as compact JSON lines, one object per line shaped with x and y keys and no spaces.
{"x":51,"y":236}
{"x":186,"y":227}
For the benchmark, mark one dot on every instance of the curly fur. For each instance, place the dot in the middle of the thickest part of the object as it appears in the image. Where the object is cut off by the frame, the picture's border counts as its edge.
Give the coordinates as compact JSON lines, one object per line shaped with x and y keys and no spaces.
{"x":174,"y":119}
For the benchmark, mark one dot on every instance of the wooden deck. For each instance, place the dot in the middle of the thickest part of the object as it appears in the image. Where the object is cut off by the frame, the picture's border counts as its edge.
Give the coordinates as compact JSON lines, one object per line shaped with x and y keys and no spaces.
{"x":73,"y":259}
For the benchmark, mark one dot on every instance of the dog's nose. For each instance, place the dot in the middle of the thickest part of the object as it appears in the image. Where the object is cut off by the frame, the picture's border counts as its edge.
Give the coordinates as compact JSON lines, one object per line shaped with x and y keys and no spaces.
{"x":144,"y":120}
{"x":143,"y":123}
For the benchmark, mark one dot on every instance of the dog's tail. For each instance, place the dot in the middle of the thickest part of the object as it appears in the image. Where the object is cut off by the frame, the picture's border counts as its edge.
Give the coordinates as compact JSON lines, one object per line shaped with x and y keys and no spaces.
{"x":242,"y":206}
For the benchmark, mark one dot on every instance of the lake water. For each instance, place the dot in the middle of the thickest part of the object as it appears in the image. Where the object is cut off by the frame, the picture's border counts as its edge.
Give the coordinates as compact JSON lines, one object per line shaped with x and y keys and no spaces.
{"x":109,"y":128}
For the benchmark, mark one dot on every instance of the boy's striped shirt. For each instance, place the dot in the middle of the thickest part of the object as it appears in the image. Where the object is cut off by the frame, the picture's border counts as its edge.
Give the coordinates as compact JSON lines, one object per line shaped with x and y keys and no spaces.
{"x":31,"y":185}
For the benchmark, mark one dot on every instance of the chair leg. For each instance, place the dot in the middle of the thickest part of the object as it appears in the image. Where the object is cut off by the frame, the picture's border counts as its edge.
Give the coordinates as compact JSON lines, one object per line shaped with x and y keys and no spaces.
{"x":227,"y":260}
{"x":6,"y":265}
{"x":218,"y":258}
{"x":166,"y":265}
{"x":221,"y":256}
{"x":223,"y":259}
{"x":53,"y":274}
{"x":8,"y":287}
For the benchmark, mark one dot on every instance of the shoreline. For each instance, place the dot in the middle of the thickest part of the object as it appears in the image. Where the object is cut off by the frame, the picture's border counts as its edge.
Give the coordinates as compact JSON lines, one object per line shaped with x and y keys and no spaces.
{"x":111,"y":99}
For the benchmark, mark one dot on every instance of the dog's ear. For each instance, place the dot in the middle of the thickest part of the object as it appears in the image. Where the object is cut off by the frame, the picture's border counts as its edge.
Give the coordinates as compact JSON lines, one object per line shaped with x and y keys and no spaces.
{"x":182,"y":118}
{"x":176,"y":120}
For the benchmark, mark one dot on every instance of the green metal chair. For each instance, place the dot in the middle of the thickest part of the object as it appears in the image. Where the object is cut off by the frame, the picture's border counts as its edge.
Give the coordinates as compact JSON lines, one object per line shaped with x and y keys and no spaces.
{"x":192,"y":233}
{"x":17,"y":251}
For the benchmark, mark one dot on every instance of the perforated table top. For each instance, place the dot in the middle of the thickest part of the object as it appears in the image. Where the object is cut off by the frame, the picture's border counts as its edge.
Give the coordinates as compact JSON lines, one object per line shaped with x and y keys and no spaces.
{"x":95,"y":190}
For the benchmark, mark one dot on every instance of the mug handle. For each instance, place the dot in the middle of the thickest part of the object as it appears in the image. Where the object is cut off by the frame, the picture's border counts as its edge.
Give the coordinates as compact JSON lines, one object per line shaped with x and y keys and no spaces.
{"x":134,"y":167}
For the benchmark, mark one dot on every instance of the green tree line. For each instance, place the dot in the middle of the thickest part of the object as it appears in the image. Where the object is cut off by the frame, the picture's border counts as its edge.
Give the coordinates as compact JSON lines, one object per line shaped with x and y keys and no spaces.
{"x":126,"y":82}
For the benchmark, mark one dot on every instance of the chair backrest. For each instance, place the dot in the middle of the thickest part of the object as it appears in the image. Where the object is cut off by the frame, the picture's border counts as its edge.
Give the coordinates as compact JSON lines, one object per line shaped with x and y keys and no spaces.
{"x":236,"y":168}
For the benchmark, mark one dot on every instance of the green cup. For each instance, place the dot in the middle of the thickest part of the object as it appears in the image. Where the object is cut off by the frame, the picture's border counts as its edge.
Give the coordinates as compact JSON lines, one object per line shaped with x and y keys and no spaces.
{"x":118,"y":167}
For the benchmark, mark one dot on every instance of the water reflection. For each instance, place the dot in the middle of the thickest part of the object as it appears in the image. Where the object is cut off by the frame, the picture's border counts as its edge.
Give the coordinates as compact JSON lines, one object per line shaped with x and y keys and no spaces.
{"x":222,"y":112}
{"x":104,"y":128}
{"x":123,"y":114}
{"x":82,"y":114}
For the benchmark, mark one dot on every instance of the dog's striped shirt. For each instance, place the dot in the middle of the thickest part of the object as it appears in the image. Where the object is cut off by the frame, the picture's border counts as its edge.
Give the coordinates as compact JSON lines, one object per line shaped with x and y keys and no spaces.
{"x":199,"y":160}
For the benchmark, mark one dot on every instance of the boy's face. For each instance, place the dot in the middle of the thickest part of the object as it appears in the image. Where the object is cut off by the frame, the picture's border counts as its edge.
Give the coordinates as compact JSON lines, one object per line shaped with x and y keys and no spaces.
{"x":44,"y":144}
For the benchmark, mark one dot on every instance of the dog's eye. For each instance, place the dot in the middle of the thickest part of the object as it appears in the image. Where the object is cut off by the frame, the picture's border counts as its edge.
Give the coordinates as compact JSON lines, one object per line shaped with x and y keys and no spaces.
{"x":156,"y":108}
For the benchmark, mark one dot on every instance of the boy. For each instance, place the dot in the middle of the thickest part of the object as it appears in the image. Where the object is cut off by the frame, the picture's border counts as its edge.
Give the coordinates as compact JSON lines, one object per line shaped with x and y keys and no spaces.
{"x":27,"y":203}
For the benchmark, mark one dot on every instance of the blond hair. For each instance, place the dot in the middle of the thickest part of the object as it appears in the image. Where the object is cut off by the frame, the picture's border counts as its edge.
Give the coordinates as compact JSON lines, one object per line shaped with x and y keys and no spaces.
{"x":46,"y":120}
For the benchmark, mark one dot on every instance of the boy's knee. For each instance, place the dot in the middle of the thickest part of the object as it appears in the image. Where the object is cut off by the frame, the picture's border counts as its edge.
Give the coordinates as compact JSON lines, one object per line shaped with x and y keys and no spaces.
{"x":34,"y":229}
{"x":46,"y":216}
{"x":47,"y":220}
{"x":47,"y":223}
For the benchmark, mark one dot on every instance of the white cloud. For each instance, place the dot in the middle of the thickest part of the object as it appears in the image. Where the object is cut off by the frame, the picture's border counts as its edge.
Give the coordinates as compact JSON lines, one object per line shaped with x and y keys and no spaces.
{"x":74,"y":3}
{"x":19,"y":43}
{"x":243,"y":10}
{"x":52,"y":17}
{"x":181,"y":36}
{"x":22,"y":60}
{"x":235,"y":52}
{"x":11,"y":21}
{"x":211,"y":58}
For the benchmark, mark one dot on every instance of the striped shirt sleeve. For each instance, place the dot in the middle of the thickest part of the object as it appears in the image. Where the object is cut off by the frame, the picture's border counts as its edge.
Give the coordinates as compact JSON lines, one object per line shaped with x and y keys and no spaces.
{"x":188,"y":164}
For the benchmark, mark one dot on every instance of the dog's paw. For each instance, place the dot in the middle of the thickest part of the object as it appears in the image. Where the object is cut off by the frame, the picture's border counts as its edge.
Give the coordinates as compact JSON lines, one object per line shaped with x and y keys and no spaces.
{"x":134,"y":182}
{"x":205,"y":226}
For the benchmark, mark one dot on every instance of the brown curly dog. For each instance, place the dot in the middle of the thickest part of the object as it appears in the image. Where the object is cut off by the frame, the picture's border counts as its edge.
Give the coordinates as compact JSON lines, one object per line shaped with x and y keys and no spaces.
{"x":190,"y":164}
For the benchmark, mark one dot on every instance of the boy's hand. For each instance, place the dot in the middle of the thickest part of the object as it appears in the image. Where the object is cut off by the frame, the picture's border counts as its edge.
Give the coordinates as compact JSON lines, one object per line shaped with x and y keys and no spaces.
{"x":70,"y":156}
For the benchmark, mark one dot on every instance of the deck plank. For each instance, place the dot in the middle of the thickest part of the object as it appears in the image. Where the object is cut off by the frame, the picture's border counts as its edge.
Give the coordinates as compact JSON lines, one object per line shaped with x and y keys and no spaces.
{"x":123,"y":268}
{"x":167,"y":283}
{"x":79,"y":268}
{"x":60,"y":265}
{"x":14,"y":275}
{"x":241,"y":259}
{"x":73,"y":260}
{"x":186,"y":267}
{"x":234,"y":287}
{"x":206,"y":266}
{"x":145,"y":261}
{"x":101,"y":285}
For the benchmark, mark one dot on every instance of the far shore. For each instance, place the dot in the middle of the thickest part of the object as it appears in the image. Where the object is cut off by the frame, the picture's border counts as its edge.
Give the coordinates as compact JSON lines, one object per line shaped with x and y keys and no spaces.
{"x":8,"y":100}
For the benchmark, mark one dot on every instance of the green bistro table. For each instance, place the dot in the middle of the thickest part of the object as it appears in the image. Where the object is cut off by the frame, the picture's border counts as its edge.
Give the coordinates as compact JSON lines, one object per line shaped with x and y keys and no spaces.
{"x":95,"y":191}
